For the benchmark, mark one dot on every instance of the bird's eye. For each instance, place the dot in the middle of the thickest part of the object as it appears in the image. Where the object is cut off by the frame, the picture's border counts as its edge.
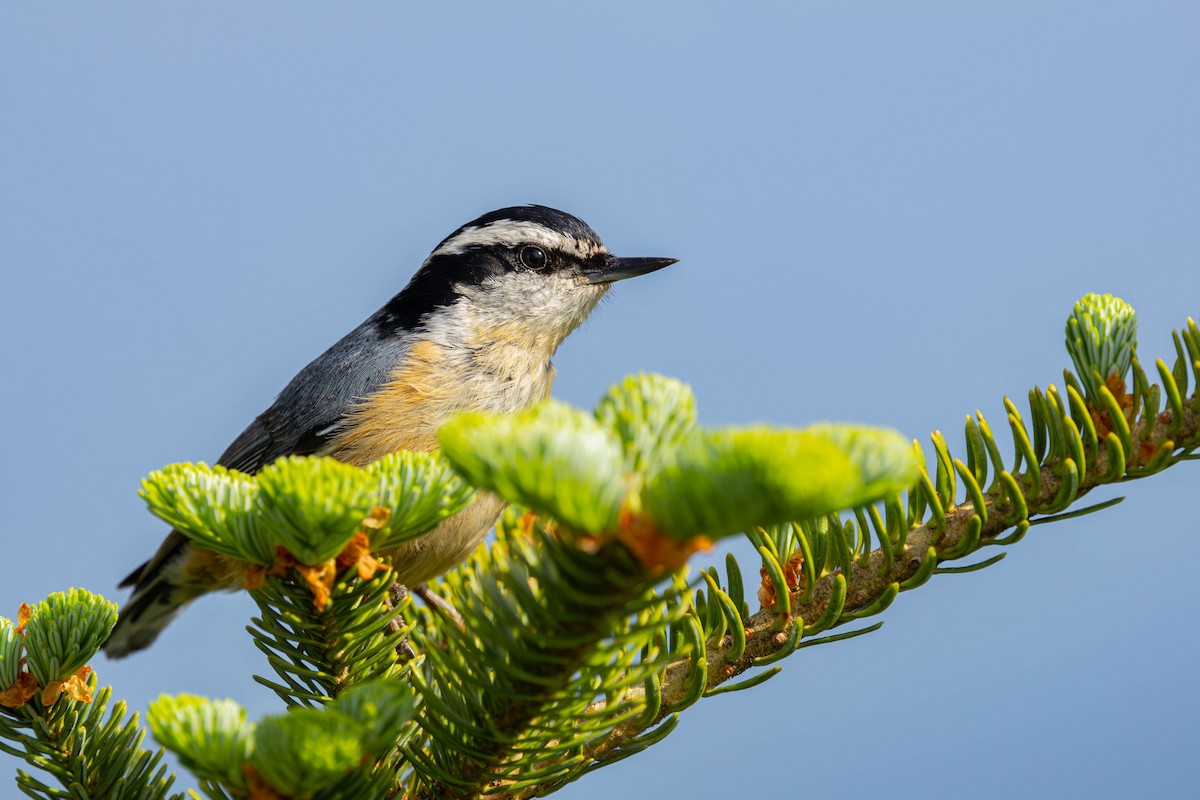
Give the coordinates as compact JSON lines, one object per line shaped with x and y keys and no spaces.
{"x":533,"y":257}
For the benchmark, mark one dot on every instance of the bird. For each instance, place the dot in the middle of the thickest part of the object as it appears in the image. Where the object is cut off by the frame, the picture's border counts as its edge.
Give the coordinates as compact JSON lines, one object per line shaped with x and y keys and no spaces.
{"x":473,"y":330}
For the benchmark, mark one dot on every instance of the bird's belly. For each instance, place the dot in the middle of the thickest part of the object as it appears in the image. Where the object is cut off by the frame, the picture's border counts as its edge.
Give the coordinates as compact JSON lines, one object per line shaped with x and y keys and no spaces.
{"x":448,"y":544}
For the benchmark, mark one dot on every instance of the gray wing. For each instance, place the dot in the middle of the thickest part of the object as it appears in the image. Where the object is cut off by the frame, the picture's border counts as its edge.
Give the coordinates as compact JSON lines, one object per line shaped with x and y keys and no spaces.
{"x":302,"y":419}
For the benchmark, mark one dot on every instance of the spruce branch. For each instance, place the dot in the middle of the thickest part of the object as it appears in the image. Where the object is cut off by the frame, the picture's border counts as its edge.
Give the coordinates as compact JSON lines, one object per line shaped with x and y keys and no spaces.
{"x":506,"y":699}
{"x":866,"y":585}
{"x":1139,"y":441}
{"x":580,"y":641}
{"x":53,"y":716}
{"x":319,"y":653}
{"x":559,"y":615}
{"x":342,"y":750}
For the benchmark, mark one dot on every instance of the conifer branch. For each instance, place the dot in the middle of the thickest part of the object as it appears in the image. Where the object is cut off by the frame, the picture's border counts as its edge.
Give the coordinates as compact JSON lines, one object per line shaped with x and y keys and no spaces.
{"x":569,"y":654}
{"x":865,"y":586}
{"x":1160,"y":440}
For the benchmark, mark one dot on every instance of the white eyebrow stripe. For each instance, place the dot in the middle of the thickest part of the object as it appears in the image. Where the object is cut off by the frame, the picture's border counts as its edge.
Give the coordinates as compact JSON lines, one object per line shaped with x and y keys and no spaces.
{"x":510,"y":233}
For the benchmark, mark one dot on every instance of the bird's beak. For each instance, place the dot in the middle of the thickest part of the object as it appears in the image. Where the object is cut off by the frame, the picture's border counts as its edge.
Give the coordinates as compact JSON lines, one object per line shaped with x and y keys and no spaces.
{"x":618,"y":269}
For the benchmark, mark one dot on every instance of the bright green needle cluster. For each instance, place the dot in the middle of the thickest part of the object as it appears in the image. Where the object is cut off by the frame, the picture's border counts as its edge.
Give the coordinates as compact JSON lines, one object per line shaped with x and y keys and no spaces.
{"x":642,"y":450}
{"x":310,"y":506}
{"x":65,"y":633}
{"x":1101,"y":338}
{"x":11,"y":644}
{"x":307,"y":750}
{"x":53,"y":715}
{"x":210,"y":737}
{"x":550,"y":457}
{"x":304,"y":753}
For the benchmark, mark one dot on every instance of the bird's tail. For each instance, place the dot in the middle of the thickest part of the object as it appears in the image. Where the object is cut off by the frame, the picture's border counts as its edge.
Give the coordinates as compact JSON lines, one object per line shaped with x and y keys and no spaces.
{"x":159,"y":593}
{"x":151,"y":608}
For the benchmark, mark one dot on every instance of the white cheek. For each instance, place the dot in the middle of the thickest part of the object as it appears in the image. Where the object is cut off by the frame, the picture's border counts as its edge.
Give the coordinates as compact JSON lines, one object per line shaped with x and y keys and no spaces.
{"x":559,"y":305}
{"x":545,"y":308}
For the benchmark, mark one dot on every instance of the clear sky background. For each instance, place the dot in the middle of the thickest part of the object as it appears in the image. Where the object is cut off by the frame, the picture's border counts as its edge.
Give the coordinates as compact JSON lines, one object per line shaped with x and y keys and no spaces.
{"x":883,"y":211}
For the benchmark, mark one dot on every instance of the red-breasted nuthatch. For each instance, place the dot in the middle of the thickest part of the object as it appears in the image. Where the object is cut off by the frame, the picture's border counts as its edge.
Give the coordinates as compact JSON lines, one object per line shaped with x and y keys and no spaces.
{"x":473,"y":330}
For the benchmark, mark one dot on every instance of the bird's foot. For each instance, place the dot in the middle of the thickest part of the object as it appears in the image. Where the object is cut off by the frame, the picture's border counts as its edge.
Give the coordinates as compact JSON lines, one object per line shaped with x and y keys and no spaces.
{"x":396,"y":595}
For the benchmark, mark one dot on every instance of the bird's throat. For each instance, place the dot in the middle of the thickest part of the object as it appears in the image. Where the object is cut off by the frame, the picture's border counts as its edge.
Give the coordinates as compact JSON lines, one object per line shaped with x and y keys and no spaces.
{"x":433,"y":382}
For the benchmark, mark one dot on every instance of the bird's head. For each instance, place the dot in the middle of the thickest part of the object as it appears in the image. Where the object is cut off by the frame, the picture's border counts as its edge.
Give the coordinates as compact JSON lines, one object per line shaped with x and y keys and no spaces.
{"x":528,"y":275}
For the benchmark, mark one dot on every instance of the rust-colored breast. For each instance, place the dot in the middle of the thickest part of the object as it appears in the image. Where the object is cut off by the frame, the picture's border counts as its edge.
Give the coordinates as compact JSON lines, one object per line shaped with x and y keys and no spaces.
{"x":485,"y":373}
{"x":403,"y":415}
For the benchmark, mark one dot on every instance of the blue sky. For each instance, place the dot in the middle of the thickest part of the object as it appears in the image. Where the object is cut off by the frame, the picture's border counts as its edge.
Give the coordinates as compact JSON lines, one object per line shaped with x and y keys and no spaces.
{"x":883,"y":211}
